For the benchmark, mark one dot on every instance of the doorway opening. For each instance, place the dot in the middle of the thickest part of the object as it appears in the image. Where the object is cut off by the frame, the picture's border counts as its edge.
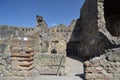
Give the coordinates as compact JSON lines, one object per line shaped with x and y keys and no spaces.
{"x":112,"y":16}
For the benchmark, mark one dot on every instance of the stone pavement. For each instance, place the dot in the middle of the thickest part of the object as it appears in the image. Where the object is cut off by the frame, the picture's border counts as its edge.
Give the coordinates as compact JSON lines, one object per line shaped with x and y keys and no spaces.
{"x":57,"y":78}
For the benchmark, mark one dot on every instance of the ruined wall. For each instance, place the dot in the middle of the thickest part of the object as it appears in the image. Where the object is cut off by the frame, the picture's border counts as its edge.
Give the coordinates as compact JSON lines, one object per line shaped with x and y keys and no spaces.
{"x":44,"y":35}
{"x":47,"y":64}
{"x":85,"y":34}
{"x":8,"y":31}
{"x":61,"y":34}
{"x":60,"y":30}
{"x":105,"y":67}
{"x":41,"y":23}
{"x":104,"y":19}
{"x":103,"y":38}
{"x":91,"y":34}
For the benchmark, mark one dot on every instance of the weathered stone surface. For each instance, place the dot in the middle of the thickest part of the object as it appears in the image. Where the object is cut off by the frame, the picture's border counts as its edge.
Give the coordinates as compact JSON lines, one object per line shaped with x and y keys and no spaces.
{"x":45,"y":37}
{"x":113,"y":55}
{"x":96,"y":30}
{"x":2,"y":47}
{"x":41,"y":23}
{"x":107,"y":70}
{"x":47,"y":64}
{"x":95,"y":33}
{"x":9,"y":31}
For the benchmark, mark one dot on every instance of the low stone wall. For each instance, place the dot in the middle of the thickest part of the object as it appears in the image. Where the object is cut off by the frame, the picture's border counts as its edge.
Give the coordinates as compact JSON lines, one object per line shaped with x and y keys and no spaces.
{"x":49,"y":64}
{"x":104,"y":67}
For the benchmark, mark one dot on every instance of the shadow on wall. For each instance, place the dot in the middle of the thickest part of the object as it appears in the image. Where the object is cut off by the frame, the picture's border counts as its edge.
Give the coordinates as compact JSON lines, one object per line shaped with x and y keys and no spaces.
{"x":86,"y":40}
{"x":72,"y":45}
{"x":83,"y":46}
{"x":84,"y":32}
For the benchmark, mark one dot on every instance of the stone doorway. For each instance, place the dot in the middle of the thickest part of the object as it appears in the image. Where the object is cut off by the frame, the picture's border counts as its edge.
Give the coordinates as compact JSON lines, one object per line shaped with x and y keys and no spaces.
{"x":112,"y":17}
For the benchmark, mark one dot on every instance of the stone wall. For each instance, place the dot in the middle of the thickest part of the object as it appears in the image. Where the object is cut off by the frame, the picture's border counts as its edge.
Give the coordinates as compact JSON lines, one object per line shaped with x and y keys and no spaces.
{"x":85,"y":31}
{"x":91,"y":35}
{"x":5,"y":67}
{"x":44,"y":35}
{"x":105,"y":67}
{"x":49,"y":64}
{"x":8,"y":31}
{"x":41,"y":23}
{"x":61,"y":34}
{"x":99,"y":35}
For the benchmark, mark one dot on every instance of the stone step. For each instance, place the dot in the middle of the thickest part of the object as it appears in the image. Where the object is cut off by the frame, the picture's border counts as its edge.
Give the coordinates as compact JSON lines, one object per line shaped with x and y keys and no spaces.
{"x":22,"y":55}
{"x":22,"y":59}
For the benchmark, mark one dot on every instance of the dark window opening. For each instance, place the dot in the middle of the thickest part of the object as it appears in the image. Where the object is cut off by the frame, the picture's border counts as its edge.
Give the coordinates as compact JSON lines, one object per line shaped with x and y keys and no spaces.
{"x":53,"y":51}
{"x":112,"y":16}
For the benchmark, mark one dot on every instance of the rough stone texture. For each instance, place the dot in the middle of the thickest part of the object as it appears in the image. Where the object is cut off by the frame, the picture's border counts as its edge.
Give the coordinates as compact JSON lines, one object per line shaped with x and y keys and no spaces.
{"x":59,"y":37}
{"x":91,"y":35}
{"x":41,"y":23}
{"x":100,"y":68}
{"x":46,"y":38}
{"x":53,"y":38}
{"x":47,"y":64}
{"x":5,"y":67}
{"x":2,"y":47}
{"x":9,"y":31}
{"x":113,"y":55}
{"x":95,"y":33}
{"x":85,"y":35}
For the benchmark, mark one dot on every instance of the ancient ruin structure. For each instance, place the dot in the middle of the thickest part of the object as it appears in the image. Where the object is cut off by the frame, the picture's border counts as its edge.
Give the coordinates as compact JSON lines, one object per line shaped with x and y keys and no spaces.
{"x":97,"y":28}
{"x":47,"y":53}
{"x":94,"y":37}
{"x":41,"y":22}
{"x":97,"y":33}
{"x":8,"y":31}
{"x":22,"y":55}
{"x":45,"y":37}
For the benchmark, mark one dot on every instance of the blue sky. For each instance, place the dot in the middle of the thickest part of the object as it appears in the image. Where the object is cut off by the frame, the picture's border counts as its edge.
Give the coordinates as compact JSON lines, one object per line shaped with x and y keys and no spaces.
{"x":23,"y":12}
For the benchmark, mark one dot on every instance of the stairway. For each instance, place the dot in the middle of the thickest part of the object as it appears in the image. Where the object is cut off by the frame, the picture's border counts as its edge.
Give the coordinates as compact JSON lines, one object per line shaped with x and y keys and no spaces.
{"x":22,"y":55}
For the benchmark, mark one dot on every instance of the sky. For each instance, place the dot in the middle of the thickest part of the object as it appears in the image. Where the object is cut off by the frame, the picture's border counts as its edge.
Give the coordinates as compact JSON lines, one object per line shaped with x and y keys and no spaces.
{"x":23,"y":12}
